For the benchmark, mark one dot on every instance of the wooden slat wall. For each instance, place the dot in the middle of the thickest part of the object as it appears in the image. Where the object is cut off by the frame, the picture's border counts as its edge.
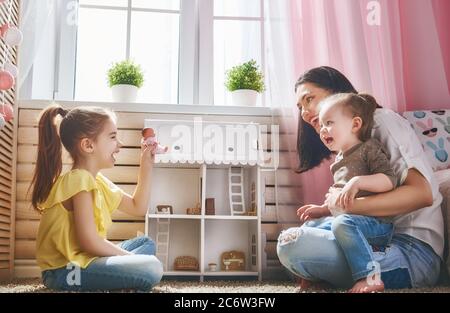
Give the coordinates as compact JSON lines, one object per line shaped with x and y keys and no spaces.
{"x":283,"y":194}
{"x":7,"y":154}
{"x":125,"y":174}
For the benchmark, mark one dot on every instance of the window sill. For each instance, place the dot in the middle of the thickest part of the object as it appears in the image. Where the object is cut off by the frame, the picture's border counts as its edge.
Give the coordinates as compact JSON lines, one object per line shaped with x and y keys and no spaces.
{"x":156,"y":108}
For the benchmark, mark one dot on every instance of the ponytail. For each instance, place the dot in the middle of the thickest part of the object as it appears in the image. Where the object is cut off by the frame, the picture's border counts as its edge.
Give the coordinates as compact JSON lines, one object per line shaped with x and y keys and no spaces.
{"x":371,"y":102}
{"x":49,"y":159}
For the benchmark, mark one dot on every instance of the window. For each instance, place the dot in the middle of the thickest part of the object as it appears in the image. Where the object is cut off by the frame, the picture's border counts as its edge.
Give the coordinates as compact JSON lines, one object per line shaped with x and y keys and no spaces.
{"x":238,"y":31}
{"x":111,"y":31}
{"x":184,"y":47}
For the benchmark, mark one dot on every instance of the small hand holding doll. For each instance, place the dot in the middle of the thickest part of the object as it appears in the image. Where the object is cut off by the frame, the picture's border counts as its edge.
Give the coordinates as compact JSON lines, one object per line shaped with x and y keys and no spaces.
{"x":149,"y":138}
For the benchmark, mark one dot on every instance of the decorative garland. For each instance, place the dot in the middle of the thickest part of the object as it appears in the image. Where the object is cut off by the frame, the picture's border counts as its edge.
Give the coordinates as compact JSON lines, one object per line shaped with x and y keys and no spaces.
{"x":11,"y":36}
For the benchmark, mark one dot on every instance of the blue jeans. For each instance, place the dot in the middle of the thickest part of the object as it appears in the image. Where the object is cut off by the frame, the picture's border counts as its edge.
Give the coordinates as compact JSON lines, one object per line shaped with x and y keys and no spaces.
{"x":356,"y":234}
{"x":312,"y":252}
{"x":140,"y":271}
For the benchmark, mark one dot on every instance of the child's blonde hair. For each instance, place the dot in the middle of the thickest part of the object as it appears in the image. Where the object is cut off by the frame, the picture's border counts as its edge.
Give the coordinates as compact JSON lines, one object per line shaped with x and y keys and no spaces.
{"x":76,"y":124}
{"x":357,"y":105}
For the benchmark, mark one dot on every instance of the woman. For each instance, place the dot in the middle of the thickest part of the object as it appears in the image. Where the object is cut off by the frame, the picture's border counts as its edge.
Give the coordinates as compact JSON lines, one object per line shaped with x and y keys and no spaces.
{"x":414,"y":255}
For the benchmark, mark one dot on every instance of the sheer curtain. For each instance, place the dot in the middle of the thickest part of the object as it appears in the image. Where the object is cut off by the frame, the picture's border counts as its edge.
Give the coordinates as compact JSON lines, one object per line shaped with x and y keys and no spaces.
{"x":34,"y":22}
{"x":398,"y":50}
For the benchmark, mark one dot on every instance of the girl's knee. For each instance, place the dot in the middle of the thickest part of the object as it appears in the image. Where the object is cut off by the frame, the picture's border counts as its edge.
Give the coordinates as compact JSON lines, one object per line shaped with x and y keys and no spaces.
{"x":146,"y":246}
{"x":150,"y":244}
{"x":153,"y":270}
{"x":144,"y":240}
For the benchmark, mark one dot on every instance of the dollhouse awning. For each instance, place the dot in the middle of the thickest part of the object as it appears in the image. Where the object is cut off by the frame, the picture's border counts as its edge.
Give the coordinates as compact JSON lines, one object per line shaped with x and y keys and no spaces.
{"x":205,"y":142}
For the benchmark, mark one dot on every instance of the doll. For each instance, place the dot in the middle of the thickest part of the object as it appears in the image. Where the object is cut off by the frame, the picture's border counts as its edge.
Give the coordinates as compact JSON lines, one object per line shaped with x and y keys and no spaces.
{"x":149,"y":138}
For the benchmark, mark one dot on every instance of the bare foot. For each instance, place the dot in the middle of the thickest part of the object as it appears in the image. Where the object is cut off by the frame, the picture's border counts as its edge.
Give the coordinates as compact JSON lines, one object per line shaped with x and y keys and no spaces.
{"x":363,"y":286}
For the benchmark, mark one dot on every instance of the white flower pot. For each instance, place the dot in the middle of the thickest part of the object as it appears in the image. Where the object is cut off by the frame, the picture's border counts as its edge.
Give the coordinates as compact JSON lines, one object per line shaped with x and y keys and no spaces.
{"x":244,"y":97}
{"x":124,"y":93}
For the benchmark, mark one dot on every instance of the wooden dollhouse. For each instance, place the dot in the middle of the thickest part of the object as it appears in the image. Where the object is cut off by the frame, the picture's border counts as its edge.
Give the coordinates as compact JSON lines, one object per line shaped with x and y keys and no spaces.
{"x":222,"y":167}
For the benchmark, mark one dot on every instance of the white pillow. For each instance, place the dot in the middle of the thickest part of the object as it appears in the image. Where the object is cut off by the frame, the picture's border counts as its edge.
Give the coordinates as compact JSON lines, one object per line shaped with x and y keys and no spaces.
{"x":433,"y":130}
{"x":442,"y":176}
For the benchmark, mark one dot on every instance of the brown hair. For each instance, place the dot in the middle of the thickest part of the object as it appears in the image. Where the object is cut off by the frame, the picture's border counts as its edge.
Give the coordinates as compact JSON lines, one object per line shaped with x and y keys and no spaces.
{"x":358,"y":105}
{"x":311,"y":150}
{"x":78,"y":123}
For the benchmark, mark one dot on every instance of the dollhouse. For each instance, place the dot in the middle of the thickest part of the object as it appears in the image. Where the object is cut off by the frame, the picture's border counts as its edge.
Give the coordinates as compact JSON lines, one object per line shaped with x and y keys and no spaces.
{"x":210,"y":181}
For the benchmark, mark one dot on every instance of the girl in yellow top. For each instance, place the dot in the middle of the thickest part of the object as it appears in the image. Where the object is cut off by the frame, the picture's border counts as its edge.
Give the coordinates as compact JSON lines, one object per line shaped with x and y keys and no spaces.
{"x":72,"y":249}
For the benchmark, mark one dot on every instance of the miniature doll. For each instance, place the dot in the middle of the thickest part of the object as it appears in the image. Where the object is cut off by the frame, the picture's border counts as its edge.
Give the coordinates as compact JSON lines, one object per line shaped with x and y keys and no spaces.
{"x":149,"y":138}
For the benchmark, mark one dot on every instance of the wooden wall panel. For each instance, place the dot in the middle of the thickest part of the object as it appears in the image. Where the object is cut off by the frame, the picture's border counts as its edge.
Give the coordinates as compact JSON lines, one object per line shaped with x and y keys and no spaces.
{"x":8,"y":142}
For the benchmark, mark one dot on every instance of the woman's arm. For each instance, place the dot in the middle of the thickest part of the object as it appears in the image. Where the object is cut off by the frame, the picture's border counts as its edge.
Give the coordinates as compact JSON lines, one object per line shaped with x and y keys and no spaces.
{"x":86,"y":230}
{"x":414,"y":194}
{"x":376,"y":183}
{"x":137,"y":204}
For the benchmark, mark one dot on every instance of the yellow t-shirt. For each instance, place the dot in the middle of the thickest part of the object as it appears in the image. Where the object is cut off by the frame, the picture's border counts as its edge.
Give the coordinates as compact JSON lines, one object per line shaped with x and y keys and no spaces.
{"x":56,"y":243}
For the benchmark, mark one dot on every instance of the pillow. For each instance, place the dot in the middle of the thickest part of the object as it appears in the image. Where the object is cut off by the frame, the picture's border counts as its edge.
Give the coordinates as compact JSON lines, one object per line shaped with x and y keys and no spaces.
{"x":433,"y":130}
{"x":442,"y":176}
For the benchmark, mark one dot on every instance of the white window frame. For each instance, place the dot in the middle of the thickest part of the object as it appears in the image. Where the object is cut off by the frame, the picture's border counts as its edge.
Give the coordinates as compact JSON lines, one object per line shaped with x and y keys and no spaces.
{"x":196,"y":49}
{"x":206,"y":47}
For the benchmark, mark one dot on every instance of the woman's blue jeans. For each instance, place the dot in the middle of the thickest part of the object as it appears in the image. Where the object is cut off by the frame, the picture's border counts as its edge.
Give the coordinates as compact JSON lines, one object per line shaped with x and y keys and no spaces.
{"x":140,"y":271}
{"x":311,"y":252}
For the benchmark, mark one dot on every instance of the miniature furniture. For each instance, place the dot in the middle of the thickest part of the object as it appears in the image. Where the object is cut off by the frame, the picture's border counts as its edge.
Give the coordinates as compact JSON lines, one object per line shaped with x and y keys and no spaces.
{"x":206,"y":165}
{"x":194,"y":211}
{"x":210,"y":210}
{"x":232,"y":261}
{"x":164,"y":209}
{"x":186,"y":263}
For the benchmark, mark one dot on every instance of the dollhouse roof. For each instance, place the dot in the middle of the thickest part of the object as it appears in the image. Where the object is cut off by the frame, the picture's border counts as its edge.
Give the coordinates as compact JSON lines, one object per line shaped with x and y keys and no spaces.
{"x":207,"y":142}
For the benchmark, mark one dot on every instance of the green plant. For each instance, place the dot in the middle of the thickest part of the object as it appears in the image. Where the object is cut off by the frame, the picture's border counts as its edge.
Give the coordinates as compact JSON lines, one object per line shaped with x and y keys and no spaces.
{"x":125,"y":72}
{"x":245,"y":76}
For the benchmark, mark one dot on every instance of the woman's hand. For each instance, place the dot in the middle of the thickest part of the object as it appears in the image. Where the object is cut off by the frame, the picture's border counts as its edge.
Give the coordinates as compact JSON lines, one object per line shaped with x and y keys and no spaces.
{"x":312,"y":211}
{"x":348,"y":193}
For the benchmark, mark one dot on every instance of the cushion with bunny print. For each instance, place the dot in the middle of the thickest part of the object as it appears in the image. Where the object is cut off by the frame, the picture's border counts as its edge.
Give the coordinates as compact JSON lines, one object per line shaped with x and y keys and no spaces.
{"x":433,"y":130}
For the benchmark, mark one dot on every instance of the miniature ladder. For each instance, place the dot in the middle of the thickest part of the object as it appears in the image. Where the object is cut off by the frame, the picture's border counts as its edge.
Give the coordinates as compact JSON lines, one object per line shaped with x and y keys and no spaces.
{"x":236,"y":190}
{"x":162,"y":241}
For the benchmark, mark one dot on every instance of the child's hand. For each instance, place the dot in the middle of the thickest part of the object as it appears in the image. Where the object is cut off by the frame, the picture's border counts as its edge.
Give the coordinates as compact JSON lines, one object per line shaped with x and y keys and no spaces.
{"x":348,"y":193}
{"x":312,"y":211}
{"x":148,"y":154}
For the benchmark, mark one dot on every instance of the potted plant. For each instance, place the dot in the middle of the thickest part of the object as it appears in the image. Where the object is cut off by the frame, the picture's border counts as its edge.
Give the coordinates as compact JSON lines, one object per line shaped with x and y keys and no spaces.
{"x":125,"y":78}
{"x":245,"y":81}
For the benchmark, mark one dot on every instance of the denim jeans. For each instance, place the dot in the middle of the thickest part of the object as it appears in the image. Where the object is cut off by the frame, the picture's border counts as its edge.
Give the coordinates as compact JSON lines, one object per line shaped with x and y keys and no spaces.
{"x":140,"y":271}
{"x":312,"y":252}
{"x":350,"y":231}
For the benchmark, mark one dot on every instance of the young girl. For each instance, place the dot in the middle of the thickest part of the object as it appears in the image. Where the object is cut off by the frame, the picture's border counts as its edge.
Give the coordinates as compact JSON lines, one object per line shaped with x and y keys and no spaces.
{"x":76,"y":207}
{"x":361,"y":168}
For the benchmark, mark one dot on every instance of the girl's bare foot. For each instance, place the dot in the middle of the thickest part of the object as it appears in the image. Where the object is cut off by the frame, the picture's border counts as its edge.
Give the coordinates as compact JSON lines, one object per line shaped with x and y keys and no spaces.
{"x":363,"y":286}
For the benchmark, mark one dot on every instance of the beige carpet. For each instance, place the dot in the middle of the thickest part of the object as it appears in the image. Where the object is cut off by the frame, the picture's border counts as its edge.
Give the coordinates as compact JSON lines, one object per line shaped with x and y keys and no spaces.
{"x":35,"y":286}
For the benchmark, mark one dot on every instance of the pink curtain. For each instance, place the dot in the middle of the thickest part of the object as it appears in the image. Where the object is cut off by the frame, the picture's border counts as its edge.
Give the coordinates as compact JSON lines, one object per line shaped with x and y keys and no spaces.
{"x":403,"y":60}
